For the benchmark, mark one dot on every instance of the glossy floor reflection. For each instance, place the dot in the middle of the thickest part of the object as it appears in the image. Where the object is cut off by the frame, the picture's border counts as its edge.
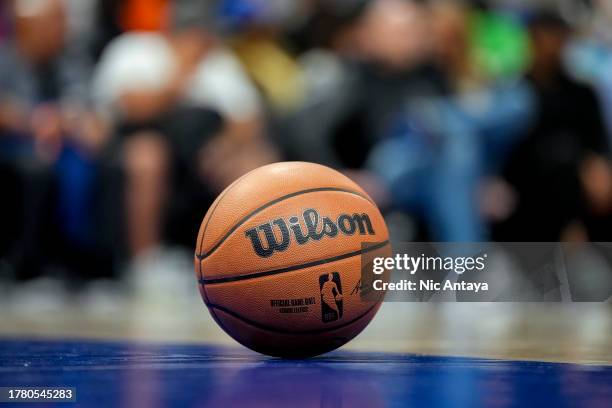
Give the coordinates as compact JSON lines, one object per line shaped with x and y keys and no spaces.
{"x":155,"y":375}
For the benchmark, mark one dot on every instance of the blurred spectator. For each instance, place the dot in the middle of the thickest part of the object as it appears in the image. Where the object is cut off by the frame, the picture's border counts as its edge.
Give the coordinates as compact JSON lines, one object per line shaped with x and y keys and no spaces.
{"x":444,"y":145}
{"x":561,"y":172}
{"x":331,"y":88}
{"x":164,"y":92}
{"x":48,"y":138}
{"x":263,"y":50}
{"x":38,"y":70}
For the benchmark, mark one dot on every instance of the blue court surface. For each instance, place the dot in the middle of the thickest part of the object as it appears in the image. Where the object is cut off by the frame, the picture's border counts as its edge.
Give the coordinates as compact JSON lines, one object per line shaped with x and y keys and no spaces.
{"x":137,"y":374}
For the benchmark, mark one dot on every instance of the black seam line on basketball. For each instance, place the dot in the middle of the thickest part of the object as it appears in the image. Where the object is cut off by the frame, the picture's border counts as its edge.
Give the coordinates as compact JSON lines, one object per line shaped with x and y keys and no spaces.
{"x":292,"y":268}
{"x":199,"y":246}
{"x":271,"y":203}
{"x":298,"y":332}
{"x":204,"y":231}
{"x":223,"y":194}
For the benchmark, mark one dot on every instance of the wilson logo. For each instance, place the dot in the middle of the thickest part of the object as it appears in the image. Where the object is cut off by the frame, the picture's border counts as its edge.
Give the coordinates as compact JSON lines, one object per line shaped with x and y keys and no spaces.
{"x":277,"y":233}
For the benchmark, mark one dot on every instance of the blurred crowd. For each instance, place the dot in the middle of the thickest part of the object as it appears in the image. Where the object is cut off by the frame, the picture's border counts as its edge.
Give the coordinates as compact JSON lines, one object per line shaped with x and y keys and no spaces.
{"x":121,"y":120}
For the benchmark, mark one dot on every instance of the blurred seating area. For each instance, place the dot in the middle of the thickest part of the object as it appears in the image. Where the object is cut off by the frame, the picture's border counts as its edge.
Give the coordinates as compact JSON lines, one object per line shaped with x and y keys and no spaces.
{"x":122,"y":120}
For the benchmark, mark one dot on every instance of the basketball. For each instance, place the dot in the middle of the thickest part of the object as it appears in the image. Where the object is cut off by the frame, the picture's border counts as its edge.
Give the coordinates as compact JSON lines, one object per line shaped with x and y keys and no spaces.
{"x":278,"y":259}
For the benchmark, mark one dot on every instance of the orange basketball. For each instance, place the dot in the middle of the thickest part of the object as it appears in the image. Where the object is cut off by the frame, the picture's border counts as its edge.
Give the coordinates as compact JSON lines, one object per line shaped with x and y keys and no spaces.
{"x":278,"y":259}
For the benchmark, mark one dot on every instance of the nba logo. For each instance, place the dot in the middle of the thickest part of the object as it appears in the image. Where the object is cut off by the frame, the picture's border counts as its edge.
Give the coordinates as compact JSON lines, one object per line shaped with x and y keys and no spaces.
{"x":331,"y":296}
